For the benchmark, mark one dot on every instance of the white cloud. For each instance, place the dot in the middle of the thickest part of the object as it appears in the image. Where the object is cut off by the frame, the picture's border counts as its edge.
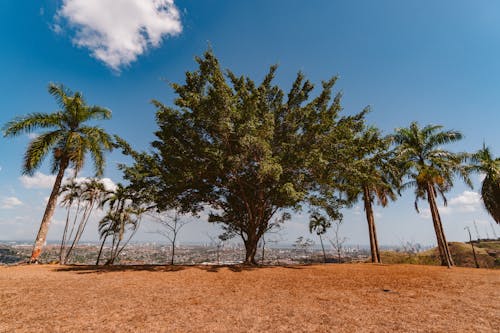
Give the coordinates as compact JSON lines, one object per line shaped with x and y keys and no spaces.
{"x":108,"y":183}
{"x":38,"y":180}
{"x":11,"y":202}
{"x":33,"y":135}
{"x":468,"y":201}
{"x":118,"y":31}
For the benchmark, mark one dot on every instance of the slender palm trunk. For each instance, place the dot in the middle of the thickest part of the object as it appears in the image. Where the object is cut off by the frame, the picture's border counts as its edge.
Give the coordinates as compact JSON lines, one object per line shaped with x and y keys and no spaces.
{"x":371,"y":226}
{"x":322,"y":248}
{"x":80,"y":230}
{"x":41,"y":237}
{"x":63,"y":240}
{"x":444,"y":250}
{"x":172,"y":257}
{"x":100,"y":251}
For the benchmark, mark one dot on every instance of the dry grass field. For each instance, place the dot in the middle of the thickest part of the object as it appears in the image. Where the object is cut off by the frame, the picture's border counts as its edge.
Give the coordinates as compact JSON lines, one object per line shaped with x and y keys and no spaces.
{"x":320,"y":298}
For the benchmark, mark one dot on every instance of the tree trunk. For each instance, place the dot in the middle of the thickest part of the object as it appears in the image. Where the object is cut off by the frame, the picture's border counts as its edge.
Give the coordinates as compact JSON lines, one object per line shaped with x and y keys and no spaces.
{"x":263,"y":249}
{"x":444,"y":250}
{"x":173,"y":253}
{"x":100,"y":251}
{"x":322,"y":248}
{"x":62,"y":250}
{"x":250,"y":251}
{"x":41,"y":237}
{"x":371,"y":226}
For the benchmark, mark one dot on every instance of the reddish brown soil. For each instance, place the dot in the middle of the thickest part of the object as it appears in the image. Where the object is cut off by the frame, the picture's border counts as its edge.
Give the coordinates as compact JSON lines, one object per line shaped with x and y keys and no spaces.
{"x":323,"y":298}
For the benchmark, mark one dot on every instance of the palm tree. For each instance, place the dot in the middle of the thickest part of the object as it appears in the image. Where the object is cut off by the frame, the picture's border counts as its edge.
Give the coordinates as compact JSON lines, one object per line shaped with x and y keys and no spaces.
{"x":92,"y":192}
{"x":431,"y":170}
{"x":114,"y":224}
{"x":68,"y":140}
{"x":320,"y":225}
{"x":122,"y":212}
{"x":373,"y":174}
{"x":484,"y":162}
{"x":70,"y":192}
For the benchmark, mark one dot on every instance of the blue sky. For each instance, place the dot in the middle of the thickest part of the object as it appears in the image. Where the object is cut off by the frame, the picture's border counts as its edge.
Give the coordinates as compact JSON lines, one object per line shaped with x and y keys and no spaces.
{"x":433,"y":62}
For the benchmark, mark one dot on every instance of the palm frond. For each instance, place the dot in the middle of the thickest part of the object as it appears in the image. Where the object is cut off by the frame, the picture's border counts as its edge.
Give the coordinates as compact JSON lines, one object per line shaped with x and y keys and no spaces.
{"x":38,"y":150}
{"x":31,"y":122}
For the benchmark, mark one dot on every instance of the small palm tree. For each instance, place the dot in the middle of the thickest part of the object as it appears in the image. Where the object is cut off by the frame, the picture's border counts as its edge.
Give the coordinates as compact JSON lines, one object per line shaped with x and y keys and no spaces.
{"x":319,"y":224}
{"x":68,"y":140}
{"x":122,"y":213}
{"x":431,"y":170}
{"x":91,"y":194}
{"x":374,"y":174}
{"x":484,"y":162}
{"x":70,"y":192}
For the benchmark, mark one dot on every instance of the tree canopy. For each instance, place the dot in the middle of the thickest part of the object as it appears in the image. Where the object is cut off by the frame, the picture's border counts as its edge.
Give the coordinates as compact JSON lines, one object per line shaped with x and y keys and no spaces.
{"x":245,"y":151}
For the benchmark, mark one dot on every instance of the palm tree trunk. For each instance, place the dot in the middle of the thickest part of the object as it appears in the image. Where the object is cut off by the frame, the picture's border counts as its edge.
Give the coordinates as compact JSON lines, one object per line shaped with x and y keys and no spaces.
{"x":322,"y":248}
{"x":371,"y":226}
{"x":444,"y":250}
{"x":374,"y":231}
{"x":80,"y":229}
{"x":63,"y":240}
{"x":100,"y":251}
{"x":41,"y":237}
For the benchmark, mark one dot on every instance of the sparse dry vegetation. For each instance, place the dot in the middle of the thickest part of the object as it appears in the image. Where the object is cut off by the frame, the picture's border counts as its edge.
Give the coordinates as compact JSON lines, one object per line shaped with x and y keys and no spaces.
{"x":487,"y":255}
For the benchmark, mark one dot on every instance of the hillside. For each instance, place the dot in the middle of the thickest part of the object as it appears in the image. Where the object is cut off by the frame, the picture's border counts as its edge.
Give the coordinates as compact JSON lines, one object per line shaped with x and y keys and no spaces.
{"x":318,"y":298}
{"x":487,"y":252}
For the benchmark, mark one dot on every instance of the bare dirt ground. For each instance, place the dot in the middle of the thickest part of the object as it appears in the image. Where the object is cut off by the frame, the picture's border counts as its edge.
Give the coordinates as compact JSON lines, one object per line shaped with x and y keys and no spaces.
{"x":320,"y":298}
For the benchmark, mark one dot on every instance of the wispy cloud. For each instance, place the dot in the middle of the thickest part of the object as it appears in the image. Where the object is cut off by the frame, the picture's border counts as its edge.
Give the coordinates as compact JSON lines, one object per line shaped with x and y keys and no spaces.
{"x":117,"y":32}
{"x":38,"y":180}
{"x":10,"y":202}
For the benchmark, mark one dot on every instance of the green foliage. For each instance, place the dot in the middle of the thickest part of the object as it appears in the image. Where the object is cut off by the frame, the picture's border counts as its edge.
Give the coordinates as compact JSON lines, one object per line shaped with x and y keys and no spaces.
{"x":68,"y":138}
{"x":123,"y":214}
{"x":427,"y":163}
{"x":319,"y":224}
{"x":248,"y":151}
{"x":375,"y":171}
{"x":484,"y":162}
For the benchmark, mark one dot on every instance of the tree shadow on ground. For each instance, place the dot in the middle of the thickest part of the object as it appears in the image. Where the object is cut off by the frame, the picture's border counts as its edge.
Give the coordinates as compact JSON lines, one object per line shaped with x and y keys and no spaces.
{"x":92,"y":269}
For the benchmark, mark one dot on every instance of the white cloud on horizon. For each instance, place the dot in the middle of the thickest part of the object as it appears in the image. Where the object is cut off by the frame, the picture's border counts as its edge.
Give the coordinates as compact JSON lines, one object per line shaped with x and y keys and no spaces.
{"x":10,"y":202}
{"x":117,"y":32}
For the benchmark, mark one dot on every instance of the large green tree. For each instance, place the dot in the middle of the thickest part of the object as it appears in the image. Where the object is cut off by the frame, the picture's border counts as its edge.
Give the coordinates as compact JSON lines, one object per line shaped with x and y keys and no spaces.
{"x":374,"y":174}
{"x":67,"y":138}
{"x":245,"y":151}
{"x":484,"y":162}
{"x":431,"y":170}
